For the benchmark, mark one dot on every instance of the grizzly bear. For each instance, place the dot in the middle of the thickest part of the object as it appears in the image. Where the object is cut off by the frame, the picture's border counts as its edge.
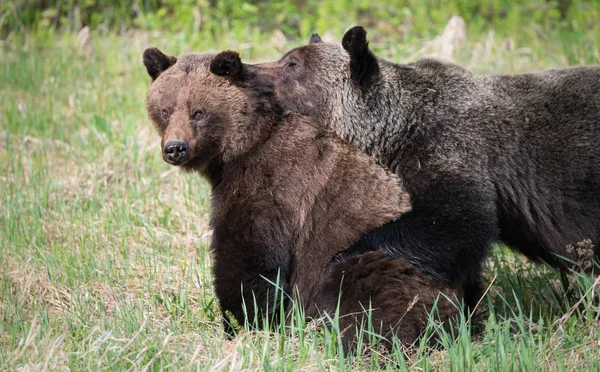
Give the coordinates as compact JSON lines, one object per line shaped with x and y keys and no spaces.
{"x":287,"y":197}
{"x":512,"y":158}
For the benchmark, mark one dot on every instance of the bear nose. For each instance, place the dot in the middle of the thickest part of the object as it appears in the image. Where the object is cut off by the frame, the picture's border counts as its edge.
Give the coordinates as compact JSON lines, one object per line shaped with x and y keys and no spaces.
{"x":176,"y":152}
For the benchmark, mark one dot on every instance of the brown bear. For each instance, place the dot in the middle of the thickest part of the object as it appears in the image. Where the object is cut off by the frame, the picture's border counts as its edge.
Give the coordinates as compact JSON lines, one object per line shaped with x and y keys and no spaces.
{"x":287,"y":197}
{"x":512,"y":159}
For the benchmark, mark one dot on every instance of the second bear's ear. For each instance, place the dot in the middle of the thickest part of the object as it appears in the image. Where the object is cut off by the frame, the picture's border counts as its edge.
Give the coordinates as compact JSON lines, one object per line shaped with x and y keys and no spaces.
{"x":363,"y":63}
{"x":228,"y":64}
{"x":314,"y":39}
{"x":156,"y":62}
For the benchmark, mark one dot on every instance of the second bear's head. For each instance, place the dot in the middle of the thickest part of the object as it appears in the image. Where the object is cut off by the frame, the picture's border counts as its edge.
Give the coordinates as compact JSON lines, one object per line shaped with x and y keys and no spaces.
{"x":202,"y":108}
{"x":320,"y":78}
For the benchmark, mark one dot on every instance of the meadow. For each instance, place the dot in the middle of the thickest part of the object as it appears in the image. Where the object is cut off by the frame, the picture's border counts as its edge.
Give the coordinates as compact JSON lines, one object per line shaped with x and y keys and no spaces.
{"x":104,"y":260}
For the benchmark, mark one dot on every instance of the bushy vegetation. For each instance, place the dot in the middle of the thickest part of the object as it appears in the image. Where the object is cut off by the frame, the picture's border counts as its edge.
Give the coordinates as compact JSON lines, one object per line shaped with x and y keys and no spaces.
{"x":103,"y":246}
{"x":297,"y":18}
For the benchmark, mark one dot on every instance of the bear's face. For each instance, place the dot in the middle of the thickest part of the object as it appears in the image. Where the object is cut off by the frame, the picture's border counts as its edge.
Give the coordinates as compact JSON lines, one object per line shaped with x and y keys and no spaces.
{"x":304,"y":77}
{"x":201,"y":117}
{"x":320,"y":77}
{"x":335,"y":84}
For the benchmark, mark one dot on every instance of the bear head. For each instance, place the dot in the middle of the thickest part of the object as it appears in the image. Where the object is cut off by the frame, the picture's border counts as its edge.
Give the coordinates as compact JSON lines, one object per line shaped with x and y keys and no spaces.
{"x":201,"y":108}
{"x":320,"y":74}
{"x":333,"y":83}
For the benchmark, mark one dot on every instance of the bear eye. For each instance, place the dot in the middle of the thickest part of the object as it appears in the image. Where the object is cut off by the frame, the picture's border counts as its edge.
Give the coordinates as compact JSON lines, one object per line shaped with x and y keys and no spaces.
{"x":164,"y":114}
{"x":291,"y":64}
{"x":198,"y":115}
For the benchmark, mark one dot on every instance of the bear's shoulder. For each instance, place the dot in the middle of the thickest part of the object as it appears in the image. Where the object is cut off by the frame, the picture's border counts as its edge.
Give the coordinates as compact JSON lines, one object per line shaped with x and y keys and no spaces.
{"x":437,"y":65}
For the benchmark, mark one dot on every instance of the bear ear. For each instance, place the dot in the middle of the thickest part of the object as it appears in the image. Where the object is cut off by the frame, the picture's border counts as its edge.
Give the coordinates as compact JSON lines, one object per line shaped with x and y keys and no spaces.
{"x":363,"y":63}
{"x":228,"y":64}
{"x":314,"y":39}
{"x":156,"y":62}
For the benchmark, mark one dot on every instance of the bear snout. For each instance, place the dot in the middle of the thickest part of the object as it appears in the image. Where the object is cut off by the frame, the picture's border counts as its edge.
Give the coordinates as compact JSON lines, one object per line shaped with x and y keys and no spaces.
{"x":176,"y":152}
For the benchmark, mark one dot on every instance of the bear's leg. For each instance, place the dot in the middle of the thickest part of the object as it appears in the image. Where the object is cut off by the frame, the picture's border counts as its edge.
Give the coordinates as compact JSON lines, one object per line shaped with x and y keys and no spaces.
{"x":395,"y":296}
{"x":249,"y":293}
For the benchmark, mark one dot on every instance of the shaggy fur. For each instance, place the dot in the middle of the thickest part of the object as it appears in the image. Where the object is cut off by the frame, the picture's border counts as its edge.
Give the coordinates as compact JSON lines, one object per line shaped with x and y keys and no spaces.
{"x":287,"y":196}
{"x":512,"y":159}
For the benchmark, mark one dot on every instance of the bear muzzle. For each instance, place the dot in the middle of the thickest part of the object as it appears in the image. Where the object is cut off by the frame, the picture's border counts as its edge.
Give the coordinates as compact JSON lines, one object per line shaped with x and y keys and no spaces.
{"x":176,"y":152}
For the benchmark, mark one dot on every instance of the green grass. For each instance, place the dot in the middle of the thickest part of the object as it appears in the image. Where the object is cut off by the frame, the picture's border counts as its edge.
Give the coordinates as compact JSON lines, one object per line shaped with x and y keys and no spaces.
{"x":103,"y":246}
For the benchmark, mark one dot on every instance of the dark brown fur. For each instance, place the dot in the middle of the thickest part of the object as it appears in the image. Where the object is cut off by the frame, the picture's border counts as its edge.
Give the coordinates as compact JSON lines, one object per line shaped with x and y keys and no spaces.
{"x":287,"y":196}
{"x":511,"y":159}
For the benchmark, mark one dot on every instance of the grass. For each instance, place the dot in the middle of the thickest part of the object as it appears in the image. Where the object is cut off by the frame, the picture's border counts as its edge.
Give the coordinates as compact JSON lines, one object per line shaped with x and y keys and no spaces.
{"x":103,"y":246}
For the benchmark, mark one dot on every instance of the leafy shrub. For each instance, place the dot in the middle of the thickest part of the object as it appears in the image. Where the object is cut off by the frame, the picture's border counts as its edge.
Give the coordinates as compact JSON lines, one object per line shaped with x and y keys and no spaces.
{"x":407,"y":18}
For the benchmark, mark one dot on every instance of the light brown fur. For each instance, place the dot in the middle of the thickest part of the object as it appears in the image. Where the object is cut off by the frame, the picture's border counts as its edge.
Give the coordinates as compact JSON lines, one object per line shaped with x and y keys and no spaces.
{"x":287,"y":197}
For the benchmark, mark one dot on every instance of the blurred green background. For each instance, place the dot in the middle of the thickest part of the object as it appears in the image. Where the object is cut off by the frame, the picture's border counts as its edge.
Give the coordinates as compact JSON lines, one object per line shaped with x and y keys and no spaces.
{"x":401,"y":19}
{"x":404,"y":18}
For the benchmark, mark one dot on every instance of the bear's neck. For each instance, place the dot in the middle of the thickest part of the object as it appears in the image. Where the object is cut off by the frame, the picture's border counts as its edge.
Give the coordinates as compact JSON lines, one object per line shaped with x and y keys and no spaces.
{"x":278,"y":171}
{"x":402,"y":109}
{"x":213,"y":173}
{"x":264,"y":123}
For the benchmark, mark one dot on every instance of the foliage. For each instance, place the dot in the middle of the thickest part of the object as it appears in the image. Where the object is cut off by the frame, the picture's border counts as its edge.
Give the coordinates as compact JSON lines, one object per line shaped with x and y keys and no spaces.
{"x":296,"y":18}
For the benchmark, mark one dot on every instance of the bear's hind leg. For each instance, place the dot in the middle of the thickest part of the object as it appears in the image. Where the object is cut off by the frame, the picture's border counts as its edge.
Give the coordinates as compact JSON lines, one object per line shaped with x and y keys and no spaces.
{"x":394,"y":295}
